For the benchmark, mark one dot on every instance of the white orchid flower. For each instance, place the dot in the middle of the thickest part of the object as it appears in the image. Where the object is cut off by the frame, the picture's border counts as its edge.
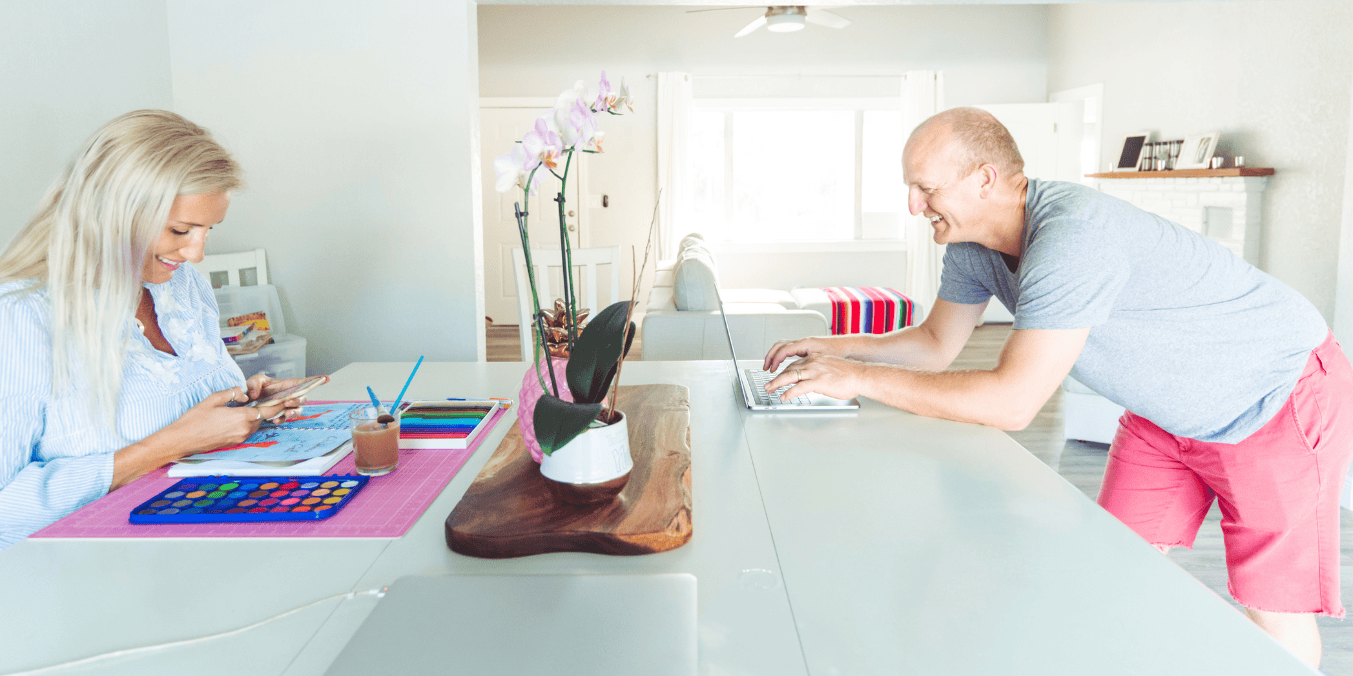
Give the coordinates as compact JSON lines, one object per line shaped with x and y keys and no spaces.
{"x":543,"y":144}
{"x":514,"y":169}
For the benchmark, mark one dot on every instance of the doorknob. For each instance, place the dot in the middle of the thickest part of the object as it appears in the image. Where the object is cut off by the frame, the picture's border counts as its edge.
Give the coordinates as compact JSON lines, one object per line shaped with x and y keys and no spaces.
{"x":570,"y":212}
{"x":570,"y":227}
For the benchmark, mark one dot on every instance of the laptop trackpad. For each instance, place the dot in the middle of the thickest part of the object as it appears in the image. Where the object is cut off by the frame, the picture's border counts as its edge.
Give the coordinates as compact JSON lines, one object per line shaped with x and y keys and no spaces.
{"x":528,"y":624}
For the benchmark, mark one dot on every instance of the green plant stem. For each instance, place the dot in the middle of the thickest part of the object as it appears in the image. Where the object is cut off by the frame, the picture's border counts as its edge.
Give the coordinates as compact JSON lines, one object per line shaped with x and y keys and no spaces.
{"x":539,"y":343}
{"x":566,"y":256}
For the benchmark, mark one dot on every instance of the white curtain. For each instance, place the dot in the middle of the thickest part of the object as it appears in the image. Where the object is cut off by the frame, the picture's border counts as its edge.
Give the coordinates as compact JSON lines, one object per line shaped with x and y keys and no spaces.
{"x":676,"y":112}
{"x":922,"y":96}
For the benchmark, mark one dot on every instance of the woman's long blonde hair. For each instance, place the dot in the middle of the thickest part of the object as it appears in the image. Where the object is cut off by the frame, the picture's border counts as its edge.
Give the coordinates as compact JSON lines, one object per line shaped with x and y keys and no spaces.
{"x":95,"y":228}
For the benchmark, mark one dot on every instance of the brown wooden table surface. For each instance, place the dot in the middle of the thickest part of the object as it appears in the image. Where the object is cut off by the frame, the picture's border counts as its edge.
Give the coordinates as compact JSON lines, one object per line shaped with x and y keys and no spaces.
{"x":510,"y":510}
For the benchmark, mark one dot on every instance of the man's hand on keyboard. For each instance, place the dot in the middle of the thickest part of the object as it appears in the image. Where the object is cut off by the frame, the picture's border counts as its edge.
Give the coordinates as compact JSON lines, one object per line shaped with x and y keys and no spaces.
{"x":834,"y":377}
{"x":787,"y":349}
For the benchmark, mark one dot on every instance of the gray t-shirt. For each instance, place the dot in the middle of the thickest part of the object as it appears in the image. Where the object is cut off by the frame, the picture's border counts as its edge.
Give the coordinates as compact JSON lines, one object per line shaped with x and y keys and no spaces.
{"x":1183,"y":332}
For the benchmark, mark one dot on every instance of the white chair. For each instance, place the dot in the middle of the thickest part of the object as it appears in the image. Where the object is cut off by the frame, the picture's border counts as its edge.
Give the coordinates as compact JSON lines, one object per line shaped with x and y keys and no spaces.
{"x":550,"y":279}
{"x":245,"y":268}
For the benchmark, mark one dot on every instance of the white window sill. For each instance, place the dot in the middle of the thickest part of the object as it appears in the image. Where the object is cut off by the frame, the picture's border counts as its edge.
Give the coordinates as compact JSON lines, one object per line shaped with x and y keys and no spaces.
{"x":845,"y":246}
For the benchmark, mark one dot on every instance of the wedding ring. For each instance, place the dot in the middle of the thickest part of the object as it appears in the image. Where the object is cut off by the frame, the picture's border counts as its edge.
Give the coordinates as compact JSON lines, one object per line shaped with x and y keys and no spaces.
{"x":798,"y":375}
{"x":260,"y":415}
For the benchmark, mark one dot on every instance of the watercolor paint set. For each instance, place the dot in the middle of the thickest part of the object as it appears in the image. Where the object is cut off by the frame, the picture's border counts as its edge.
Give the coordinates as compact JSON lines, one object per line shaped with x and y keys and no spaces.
{"x":452,"y":424}
{"x":250,"y":499}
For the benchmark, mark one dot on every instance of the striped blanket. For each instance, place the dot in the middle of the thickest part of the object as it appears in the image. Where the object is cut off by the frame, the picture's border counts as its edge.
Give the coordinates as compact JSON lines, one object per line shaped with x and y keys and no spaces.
{"x":867,"y":309}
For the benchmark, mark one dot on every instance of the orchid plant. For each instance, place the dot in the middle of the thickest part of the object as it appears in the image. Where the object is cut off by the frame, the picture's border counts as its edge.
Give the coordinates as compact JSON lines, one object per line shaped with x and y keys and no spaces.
{"x":570,"y":127}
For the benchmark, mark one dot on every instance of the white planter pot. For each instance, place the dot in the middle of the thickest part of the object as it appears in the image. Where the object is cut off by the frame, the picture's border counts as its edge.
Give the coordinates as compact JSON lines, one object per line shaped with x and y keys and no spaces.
{"x":598,"y":455}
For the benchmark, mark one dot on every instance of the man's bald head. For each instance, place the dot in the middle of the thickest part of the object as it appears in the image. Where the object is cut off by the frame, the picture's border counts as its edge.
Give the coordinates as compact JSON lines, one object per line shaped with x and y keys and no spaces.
{"x":975,"y":137}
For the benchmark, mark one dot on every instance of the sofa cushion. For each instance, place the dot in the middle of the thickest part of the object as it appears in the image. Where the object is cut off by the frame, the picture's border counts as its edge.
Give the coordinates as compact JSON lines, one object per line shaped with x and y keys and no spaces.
{"x":776,"y":296}
{"x":696,"y":279}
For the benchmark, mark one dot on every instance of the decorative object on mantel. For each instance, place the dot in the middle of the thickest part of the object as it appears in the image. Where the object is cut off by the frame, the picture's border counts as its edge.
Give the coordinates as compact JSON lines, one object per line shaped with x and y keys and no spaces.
{"x":510,"y":510}
{"x":1133,"y":145}
{"x":555,"y":412}
{"x":1197,"y":151}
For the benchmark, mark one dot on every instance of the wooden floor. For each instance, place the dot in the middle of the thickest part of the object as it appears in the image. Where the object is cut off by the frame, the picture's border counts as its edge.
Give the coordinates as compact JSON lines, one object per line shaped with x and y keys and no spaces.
{"x":1082,"y":464}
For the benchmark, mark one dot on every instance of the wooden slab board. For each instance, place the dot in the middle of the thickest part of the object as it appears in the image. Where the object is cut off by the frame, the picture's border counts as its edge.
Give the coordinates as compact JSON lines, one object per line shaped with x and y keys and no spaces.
{"x":509,"y":510}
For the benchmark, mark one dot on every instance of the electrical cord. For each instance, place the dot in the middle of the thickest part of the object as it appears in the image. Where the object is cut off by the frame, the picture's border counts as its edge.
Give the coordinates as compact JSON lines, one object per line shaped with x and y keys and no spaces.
{"x":378,"y":593}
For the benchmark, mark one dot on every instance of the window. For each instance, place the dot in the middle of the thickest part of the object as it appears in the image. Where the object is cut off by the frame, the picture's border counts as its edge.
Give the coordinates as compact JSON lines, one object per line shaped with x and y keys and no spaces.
{"x":798,"y":171}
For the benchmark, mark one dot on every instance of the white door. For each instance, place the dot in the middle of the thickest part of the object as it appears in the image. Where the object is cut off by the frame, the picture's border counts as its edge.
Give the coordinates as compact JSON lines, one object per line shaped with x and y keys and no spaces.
{"x":1048,"y":136}
{"x":500,"y":127}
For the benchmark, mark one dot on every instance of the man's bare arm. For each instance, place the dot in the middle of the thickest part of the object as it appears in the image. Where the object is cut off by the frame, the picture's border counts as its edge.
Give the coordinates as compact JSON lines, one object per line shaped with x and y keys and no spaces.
{"x":932,"y":345}
{"x":1031,"y":366}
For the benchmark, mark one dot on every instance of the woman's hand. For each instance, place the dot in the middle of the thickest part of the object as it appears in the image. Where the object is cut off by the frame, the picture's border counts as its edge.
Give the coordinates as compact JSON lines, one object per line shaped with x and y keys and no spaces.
{"x":212,"y":424}
{"x":209,"y":425}
{"x":261,"y":386}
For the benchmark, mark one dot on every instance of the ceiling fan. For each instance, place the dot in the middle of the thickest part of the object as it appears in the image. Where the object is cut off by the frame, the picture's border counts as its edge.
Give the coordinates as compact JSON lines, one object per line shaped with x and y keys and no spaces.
{"x":787,"y":18}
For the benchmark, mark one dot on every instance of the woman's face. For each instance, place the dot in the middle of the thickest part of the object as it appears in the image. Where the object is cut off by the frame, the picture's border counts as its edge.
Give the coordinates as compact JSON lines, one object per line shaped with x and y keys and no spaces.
{"x":185,"y":234}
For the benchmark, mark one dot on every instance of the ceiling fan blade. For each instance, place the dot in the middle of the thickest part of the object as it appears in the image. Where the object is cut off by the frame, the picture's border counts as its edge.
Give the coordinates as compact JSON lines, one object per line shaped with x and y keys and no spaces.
{"x":760,"y":21}
{"x":822,"y":17}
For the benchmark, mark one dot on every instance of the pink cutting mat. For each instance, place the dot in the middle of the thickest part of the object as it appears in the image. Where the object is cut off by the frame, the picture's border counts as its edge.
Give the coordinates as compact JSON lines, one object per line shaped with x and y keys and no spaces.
{"x":386,"y":508}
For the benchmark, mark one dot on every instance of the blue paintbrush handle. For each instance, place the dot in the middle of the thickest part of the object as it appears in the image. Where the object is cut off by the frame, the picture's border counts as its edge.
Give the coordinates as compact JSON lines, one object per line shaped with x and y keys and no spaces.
{"x":374,"y":401}
{"x":406,"y":384}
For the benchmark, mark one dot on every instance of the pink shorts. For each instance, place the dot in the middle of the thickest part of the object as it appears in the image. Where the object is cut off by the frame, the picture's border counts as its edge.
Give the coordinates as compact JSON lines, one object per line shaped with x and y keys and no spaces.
{"x":1278,"y":490}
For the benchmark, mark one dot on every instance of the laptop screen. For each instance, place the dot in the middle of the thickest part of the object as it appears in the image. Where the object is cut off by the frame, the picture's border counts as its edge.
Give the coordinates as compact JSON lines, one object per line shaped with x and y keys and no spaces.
{"x":727,"y":331}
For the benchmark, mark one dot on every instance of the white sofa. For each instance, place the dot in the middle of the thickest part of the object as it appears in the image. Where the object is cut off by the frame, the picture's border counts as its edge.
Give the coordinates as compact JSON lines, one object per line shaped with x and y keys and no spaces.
{"x":681,"y":320}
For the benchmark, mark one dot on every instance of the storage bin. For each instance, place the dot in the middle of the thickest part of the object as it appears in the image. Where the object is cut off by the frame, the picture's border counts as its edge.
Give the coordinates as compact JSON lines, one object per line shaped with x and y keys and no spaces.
{"x":234,"y":301}
{"x":284,"y":358}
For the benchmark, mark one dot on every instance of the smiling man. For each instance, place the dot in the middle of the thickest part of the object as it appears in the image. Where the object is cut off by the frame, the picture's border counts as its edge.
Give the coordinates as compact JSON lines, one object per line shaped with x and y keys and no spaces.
{"x":1235,"y":387}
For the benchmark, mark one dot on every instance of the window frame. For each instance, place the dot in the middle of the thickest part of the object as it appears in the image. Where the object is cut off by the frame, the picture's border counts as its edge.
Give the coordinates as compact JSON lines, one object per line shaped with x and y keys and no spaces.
{"x":859,"y":105}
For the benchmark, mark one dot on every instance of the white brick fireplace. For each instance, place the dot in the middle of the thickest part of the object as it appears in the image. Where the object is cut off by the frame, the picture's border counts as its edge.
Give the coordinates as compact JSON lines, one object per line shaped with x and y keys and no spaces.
{"x":1224,"y":208}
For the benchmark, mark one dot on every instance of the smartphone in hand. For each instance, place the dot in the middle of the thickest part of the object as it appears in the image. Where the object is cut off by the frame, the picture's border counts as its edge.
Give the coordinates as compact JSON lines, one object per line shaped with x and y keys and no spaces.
{"x":290,"y":393}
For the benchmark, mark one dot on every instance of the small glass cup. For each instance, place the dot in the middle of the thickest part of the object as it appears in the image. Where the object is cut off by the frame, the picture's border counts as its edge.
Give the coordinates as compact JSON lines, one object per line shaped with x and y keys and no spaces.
{"x":375,"y":445}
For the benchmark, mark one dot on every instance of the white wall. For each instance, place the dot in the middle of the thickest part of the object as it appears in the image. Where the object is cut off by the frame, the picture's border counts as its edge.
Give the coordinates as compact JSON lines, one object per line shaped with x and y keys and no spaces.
{"x":1272,"y":77}
{"x":66,"y":68}
{"x":354,"y":122}
{"x":993,"y":54}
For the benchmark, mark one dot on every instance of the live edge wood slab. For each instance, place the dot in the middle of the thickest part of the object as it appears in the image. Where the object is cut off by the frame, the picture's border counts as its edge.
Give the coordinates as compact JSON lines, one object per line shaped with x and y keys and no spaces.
{"x":510,"y":510}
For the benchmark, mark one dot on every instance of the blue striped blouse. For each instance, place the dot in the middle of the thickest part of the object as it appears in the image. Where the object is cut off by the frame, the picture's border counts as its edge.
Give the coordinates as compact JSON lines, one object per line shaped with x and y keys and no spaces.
{"x":55,"y":458}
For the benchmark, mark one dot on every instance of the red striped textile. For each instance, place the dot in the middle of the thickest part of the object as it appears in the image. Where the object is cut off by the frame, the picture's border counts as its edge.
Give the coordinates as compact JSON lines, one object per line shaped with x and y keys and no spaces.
{"x":867,"y":309}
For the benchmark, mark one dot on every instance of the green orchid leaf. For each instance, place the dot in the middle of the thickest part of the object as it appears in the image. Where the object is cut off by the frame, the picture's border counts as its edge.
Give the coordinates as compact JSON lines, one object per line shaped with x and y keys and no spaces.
{"x":558,"y":422}
{"x":598,"y":351}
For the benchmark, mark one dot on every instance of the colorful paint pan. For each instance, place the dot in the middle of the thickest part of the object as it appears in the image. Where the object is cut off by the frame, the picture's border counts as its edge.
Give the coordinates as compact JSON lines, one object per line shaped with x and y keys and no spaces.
{"x":223,"y":498}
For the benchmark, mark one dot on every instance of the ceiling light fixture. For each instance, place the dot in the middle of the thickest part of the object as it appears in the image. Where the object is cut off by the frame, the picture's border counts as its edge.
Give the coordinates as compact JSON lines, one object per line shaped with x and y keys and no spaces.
{"x":786,"y":19}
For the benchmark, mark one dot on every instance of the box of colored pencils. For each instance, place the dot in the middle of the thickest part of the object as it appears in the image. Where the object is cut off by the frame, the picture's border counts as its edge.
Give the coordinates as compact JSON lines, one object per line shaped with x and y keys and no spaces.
{"x":445,"y":424}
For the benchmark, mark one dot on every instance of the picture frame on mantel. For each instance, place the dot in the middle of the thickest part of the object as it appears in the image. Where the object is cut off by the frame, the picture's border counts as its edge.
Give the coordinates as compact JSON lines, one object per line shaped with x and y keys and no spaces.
{"x":1133,"y":146}
{"x":1197,"y":151}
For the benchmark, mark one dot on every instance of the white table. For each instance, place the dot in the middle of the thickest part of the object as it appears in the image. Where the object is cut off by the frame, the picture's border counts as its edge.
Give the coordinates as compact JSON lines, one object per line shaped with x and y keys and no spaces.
{"x":869,"y":543}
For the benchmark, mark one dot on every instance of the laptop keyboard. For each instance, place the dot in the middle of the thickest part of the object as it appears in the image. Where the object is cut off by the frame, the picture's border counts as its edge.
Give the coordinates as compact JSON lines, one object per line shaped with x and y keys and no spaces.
{"x":759,"y":378}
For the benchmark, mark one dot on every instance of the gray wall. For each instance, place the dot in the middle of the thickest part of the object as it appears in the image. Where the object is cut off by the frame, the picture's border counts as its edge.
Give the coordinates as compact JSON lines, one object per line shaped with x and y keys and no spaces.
{"x":67,"y":67}
{"x":1272,"y":77}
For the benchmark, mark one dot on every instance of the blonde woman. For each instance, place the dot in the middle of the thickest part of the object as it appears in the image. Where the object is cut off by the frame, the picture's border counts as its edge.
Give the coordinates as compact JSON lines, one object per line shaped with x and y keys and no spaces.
{"x":113,"y":363}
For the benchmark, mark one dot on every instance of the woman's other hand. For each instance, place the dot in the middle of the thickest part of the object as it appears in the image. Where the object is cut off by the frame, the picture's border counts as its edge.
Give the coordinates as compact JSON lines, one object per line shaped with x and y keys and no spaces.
{"x":213,"y":424}
{"x":261,"y":386}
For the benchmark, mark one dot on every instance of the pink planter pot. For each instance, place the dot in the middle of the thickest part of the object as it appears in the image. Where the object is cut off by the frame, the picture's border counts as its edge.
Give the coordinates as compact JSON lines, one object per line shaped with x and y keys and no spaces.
{"x":528,"y":396}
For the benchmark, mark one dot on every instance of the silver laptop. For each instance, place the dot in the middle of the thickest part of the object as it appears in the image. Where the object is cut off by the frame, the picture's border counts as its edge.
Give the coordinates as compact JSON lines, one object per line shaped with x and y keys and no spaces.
{"x":528,"y":624}
{"x":752,"y":384}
